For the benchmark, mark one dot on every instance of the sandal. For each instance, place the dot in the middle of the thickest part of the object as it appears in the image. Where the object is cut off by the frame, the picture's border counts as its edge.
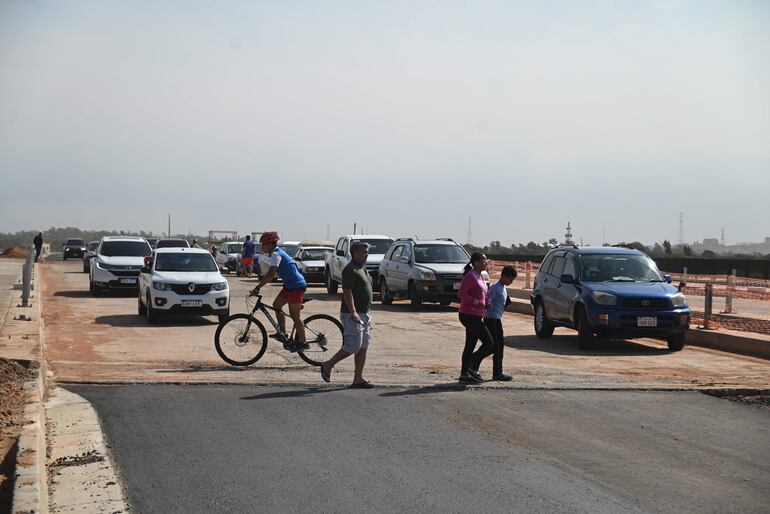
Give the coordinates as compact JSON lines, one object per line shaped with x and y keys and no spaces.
{"x":325,"y":375}
{"x":361,"y":385}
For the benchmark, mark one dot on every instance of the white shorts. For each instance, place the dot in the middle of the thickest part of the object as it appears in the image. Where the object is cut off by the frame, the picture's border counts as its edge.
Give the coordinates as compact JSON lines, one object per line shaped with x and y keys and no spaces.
{"x":356,"y":335}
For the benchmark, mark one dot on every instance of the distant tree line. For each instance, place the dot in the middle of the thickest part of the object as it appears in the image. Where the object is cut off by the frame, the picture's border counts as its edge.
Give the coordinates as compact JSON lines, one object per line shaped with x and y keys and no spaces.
{"x":665,"y":249}
{"x":57,"y":236}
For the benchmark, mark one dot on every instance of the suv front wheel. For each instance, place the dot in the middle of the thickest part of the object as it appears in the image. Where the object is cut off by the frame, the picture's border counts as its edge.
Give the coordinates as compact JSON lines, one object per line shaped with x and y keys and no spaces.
{"x":414,"y":296}
{"x":543,"y":327}
{"x":331,"y":284}
{"x":675,"y":342}
{"x":586,"y":340}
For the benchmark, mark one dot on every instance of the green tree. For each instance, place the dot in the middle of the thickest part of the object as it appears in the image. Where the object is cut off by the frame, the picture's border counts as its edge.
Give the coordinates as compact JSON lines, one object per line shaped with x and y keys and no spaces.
{"x":667,"y":246}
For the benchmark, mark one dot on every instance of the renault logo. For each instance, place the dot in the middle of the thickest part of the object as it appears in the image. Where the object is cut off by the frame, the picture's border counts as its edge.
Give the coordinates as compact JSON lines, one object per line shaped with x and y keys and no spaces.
{"x":645,"y":303}
{"x":191,"y":286}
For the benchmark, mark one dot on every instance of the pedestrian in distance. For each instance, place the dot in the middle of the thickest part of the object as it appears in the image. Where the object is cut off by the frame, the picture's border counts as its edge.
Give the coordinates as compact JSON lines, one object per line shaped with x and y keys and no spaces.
{"x":38,"y":243}
{"x":355,"y":316}
{"x":281,"y":264}
{"x":498,"y":302}
{"x":195,"y":244}
{"x":473,"y":305}
{"x":247,"y":257}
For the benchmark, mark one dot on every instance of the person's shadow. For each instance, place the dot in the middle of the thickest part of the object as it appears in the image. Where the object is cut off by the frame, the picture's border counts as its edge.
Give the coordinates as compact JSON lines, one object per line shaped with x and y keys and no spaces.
{"x":294,"y":393}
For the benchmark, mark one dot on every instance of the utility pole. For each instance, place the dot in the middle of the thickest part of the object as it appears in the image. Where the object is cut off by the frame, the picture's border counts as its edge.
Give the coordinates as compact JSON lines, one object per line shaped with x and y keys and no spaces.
{"x":681,"y":228}
{"x":354,"y":228}
{"x":469,"y":237}
{"x":169,"y":225}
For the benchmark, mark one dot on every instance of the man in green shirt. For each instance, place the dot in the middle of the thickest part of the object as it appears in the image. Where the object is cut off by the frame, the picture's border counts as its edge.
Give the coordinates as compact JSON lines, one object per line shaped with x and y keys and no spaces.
{"x":355,"y":316}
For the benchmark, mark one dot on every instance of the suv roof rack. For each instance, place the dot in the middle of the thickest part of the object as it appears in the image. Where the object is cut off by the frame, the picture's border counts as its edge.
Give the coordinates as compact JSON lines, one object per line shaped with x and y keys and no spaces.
{"x":624,"y":246}
{"x":404,"y":239}
{"x":445,"y":239}
{"x":566,"y":244}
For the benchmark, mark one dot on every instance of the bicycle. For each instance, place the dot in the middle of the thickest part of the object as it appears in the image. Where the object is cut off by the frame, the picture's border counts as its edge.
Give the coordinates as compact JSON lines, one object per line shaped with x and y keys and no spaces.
{"x":241,"y":339}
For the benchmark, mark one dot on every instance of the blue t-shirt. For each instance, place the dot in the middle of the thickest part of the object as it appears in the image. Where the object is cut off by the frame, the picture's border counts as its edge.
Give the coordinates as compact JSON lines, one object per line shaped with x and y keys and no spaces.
{"x":287,"y":269}
{"x":497,"y":295}
{"x":248,"y":248}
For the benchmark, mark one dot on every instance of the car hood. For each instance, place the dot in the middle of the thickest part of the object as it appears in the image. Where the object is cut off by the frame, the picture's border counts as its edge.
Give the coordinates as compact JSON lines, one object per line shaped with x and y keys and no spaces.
{"x":119,"y":260}
{"x":183,"y":277}
{"x":443,"y":268}
{"x":312,"y":264}
{"x":634,"y":289}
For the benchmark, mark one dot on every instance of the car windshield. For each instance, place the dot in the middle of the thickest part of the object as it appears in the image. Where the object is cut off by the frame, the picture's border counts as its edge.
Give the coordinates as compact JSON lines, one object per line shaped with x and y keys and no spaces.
{"x":74,"y":242}
{"x":173,"y":243}
{"x":184,"y":262}
{"x":315,"y":254}
{"x":619,"y":268}
{"x":450,"y":254}
{"x":125,"y":249}
{"x":93,"y":245}
{"x":290,"y":249}
{"x":376,"y":246}
{"x":233,"y":248}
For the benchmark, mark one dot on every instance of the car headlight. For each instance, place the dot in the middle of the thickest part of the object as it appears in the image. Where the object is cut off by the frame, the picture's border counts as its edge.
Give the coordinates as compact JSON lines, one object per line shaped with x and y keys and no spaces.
{"x":219,"y":286}
{"x":104,"y":265}
{"x":161,"y":286}
{"x":677,"y":300}
{"x":427,"y":275}
{"x":82,"y":248}
{"x":603,"y":298}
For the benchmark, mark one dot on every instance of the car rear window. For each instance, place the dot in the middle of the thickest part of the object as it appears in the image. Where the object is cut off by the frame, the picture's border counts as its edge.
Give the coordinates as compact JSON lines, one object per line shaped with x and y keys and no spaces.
{"x":376,"y":246}
{"x":125,"y":249}
{"x":173,"y":243}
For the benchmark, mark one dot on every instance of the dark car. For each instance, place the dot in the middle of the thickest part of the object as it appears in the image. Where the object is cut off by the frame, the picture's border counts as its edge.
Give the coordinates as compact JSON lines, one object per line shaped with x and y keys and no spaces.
{"x":172,"y":242}
{"x":73,"y":248}
{"x":608,"y":291}
{"x":90,"y":252}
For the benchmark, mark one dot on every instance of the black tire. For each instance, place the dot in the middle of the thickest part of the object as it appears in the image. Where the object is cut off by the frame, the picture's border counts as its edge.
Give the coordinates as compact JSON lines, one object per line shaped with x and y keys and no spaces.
{"x":150,"y":313}
{"x":95,"y":290}
{"x":676,"y":342}
{"x":586,"y":339}
{"x":324,"y":335}
{"x":331,"y":284}
{"x":85,"y":268}
{"x":63,"y":257}
{"x":543,"y":327}
{"x":414,"y":298}
{"x":233,"y":350}
{"x":223,"y":317}
{"x":142,"y":309}
{"x":385,"y":296}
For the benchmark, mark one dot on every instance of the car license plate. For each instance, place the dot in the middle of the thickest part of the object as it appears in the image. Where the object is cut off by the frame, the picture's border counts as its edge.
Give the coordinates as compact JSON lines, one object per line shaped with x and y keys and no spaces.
{"x":646,"y":321}
{"x":128,"y":281}
{"x":192,"y":303}
{"x":456,"y":286}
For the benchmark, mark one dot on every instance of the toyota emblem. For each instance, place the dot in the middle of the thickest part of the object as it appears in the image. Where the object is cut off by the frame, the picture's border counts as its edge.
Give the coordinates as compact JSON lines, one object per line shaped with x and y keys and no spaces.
{"x":645,"y":303}
{"x":191,"y":286}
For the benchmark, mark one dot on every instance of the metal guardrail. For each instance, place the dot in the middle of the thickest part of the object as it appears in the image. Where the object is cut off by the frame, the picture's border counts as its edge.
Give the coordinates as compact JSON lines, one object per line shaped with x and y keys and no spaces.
{"x":26,"y":276}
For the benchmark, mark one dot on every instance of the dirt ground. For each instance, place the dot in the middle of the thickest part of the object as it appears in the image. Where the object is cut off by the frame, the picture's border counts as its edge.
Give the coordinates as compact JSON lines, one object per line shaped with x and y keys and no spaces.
{"x":104,"y":340}
{"x":13,"y":374}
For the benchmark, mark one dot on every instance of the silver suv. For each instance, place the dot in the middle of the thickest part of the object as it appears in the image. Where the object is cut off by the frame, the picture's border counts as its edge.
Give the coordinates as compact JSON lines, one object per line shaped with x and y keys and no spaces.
{"x":423,"y":271}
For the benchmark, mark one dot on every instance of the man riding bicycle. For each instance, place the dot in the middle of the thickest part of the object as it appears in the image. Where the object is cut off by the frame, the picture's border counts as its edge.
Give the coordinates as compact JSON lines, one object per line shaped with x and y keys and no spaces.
{"x":294,"y":286}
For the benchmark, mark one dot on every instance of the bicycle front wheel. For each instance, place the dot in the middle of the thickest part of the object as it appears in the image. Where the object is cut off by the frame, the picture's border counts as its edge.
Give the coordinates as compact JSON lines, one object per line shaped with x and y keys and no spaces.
{"x":324,"y":336}
{"x":238,"y":346}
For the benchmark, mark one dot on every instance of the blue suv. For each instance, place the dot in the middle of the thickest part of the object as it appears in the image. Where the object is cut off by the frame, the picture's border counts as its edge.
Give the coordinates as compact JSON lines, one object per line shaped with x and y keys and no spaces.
{"x":608,"y":291}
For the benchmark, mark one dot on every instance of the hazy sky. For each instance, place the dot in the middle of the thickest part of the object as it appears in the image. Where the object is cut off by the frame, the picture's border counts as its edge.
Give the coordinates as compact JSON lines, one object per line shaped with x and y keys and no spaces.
{"x":407,"y":117}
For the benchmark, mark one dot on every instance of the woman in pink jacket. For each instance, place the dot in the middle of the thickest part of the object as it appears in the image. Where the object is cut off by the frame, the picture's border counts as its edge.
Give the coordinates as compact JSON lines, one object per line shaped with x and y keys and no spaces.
{"x":473,"y":306}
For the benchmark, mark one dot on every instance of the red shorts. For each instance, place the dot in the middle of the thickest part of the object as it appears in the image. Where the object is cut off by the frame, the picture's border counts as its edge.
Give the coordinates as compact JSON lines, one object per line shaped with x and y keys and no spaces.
{"x":247,"y":261}
{"x":292,"y":297}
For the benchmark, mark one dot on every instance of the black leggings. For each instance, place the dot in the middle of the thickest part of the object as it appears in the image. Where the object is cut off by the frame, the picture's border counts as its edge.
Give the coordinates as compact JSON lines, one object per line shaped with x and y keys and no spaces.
{"x":475,"y":330}
{"x":495,"y":327}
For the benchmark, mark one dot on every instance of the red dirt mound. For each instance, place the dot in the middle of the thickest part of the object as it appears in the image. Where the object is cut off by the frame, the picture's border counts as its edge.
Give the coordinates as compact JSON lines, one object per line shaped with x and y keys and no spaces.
{"x":14,"y":252}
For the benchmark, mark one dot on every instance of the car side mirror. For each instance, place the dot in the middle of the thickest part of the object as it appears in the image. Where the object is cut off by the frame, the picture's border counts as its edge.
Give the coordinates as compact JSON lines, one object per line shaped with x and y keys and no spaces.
{"x":145,"y":269}
{"x":682,"y":285}
{"x":667,"y":278}
{"x":567,"y":279}
{"x":341,"y":253}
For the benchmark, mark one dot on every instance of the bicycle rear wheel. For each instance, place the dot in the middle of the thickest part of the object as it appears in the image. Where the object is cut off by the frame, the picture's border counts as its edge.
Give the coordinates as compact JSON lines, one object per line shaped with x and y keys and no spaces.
{"x":235,"y":345}
{"x":324,"y":336}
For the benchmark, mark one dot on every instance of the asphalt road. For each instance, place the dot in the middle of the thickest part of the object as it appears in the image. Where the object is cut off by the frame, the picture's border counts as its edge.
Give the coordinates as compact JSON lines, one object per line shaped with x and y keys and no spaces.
{"x":260,"y":449}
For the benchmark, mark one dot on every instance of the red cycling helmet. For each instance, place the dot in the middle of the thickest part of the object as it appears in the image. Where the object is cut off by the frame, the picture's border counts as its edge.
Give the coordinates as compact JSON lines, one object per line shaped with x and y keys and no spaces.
{"x":268,"y":238}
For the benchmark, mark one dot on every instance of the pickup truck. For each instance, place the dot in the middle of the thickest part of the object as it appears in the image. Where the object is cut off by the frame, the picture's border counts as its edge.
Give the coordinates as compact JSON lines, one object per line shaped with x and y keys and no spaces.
{"x":337,"y":260}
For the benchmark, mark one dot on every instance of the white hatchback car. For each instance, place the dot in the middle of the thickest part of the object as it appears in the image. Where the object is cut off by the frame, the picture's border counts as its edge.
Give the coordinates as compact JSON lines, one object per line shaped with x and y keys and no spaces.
{"x":182,"y":281}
